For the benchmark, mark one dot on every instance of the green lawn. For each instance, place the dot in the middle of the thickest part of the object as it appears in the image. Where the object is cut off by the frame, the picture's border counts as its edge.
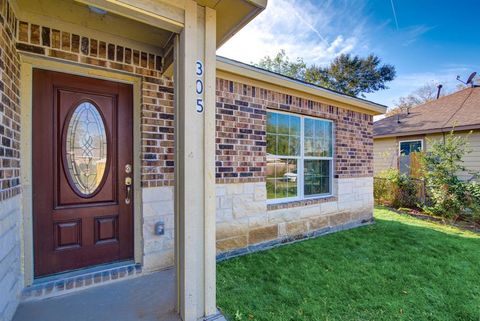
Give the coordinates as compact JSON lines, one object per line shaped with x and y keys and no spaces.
{"x":400,"y":268}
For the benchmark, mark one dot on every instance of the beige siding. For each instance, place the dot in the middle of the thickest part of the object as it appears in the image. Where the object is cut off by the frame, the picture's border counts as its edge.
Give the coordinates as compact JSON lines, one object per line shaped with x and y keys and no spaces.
{"x":385,"y":152}
{"x":471,"y":160}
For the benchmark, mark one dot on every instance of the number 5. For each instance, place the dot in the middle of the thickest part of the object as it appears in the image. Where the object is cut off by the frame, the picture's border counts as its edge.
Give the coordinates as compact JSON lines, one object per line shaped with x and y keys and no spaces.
{"x":199,"y":105}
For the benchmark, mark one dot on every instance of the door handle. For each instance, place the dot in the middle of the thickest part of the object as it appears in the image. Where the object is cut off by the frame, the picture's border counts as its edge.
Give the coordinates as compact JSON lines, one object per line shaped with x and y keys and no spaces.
{"x":128,"y":185}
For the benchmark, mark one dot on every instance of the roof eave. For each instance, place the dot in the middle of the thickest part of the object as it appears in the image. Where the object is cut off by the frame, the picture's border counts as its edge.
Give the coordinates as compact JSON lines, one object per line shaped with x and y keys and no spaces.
{"x":429,"y":131}
{"x":248,"y":71}
{"x":233,"y":15}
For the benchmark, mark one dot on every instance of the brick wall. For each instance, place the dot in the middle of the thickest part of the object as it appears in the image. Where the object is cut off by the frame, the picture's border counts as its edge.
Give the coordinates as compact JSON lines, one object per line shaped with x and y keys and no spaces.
{"x":157,"y":90}
{"x":240,"y":133}
{"x":9,"y":105}
{"x":241,"y":138}
{"x":10,"y":203}
{"x":245,"y":222}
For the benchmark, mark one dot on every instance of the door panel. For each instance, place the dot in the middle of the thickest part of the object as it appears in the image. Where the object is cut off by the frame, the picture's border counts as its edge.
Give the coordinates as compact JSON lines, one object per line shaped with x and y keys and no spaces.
{"x":82,"y":141}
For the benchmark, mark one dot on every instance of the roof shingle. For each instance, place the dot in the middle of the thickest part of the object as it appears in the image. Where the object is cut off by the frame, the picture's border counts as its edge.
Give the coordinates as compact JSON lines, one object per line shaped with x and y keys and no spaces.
{"x":458,"y":110}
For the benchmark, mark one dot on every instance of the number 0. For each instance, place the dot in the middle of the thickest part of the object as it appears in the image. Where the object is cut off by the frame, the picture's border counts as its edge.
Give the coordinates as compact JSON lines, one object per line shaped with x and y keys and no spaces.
{"x":199,"y":88}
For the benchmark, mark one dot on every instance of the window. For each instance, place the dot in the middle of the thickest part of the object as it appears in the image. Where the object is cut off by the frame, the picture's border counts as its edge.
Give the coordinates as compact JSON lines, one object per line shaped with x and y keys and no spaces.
{"x":408,"y":161}
{"x":299,"y":157}
{"x":410,"y":146}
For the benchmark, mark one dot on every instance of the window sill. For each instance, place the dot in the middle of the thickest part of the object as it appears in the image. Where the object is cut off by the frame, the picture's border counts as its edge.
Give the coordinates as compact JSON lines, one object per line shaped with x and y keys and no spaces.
{"x":300,"y":203}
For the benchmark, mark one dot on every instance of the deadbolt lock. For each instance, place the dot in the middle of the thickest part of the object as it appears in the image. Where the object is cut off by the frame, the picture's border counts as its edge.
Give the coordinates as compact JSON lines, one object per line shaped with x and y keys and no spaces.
{"x":128,"y":168}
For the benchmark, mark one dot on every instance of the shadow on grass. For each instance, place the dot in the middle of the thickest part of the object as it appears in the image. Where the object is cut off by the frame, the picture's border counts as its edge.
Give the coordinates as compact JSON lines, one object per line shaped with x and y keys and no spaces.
{"x":396,"y":269}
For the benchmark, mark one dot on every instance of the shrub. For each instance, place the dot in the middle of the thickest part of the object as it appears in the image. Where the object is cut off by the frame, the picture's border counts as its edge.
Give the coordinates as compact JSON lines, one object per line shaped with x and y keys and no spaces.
{"x":472,"y":197}
{"x":395,"y":189}
{"x":449,"y":196}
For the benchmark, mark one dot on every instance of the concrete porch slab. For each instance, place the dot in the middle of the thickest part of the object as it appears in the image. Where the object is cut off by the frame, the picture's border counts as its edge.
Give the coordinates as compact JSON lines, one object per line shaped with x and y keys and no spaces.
{"x":147,"y":298}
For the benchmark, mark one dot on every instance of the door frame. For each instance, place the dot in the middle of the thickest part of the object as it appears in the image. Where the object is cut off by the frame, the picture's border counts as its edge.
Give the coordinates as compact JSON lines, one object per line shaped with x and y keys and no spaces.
{"x":28,"y":63}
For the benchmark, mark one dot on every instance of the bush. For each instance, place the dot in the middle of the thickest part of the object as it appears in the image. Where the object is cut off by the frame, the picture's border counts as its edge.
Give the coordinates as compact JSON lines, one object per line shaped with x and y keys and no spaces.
{"x":395,"y":189}
{"x":449,"y":196}
{"x":472,"y":197}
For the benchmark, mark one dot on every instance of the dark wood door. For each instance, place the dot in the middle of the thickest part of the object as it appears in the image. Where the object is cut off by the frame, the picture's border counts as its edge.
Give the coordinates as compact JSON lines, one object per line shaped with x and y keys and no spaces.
{"x":82,"y":171}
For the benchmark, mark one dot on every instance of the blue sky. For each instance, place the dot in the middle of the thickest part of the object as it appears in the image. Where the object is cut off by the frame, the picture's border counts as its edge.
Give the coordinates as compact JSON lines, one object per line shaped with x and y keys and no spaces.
{"x":428,"y":41}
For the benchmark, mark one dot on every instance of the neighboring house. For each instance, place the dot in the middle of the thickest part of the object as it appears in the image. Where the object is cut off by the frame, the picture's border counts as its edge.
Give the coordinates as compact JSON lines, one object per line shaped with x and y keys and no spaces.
{"x":123,"y":138}
{"x":398,"y":137}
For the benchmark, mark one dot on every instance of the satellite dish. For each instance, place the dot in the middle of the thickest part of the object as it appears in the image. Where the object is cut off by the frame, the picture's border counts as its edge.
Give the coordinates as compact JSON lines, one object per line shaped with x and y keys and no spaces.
{"x":470,"y":78}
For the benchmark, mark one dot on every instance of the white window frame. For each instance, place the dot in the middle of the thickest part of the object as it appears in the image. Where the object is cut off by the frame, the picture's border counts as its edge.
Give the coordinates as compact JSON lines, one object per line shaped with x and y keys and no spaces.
{"x":300,"y":162}
{"x":409,"y":141}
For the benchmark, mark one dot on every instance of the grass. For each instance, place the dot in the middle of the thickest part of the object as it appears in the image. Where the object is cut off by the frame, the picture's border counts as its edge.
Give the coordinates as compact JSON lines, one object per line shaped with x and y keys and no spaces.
{"x":400,"y":268}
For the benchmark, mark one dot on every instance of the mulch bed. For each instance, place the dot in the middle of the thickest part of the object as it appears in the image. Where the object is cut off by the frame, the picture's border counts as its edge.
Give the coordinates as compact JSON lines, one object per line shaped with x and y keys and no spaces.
{"x":459,"y":222}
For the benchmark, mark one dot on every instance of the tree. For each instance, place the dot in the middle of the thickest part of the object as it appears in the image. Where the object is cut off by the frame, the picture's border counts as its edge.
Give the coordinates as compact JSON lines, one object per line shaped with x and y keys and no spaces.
{"x":282,"y":65}
{"x":351,"y":75}
{"x":419,"y":96}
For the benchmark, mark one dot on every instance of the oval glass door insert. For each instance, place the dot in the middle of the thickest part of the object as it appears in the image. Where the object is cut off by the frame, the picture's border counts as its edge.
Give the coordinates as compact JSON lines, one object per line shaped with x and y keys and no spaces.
{"x":86,"y":148}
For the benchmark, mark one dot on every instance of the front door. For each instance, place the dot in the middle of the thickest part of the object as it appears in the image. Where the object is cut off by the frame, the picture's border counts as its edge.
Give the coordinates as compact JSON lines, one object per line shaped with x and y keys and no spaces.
{"x":82,"y":172}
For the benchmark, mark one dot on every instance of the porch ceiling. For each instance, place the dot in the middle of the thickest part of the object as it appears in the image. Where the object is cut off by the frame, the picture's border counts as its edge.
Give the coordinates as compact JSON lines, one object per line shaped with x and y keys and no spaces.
{"x":149,"y":21}
{"x":76,"y":13}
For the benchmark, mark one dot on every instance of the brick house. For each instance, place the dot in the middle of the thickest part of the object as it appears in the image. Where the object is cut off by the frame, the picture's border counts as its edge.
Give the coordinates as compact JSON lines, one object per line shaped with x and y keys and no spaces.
{"x":127,"y":147}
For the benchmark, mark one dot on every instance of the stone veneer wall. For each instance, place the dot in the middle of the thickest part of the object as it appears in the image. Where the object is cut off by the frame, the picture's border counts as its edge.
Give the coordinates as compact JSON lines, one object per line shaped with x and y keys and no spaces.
{"x":244,"y":220}
{"x":159,"y":251}
{"x":10,"y":200}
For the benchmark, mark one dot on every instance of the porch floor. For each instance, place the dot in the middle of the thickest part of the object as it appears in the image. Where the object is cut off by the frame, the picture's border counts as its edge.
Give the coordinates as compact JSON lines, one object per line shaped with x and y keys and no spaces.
{"x":147,"y":298}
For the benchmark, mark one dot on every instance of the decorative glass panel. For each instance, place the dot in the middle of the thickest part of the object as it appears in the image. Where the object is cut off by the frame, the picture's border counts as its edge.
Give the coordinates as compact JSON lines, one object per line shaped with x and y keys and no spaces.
{"x":86,"y":148}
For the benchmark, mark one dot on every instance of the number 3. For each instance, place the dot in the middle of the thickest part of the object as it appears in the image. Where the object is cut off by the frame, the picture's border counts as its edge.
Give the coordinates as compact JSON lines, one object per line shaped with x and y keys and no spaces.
{"x":199,"y":68}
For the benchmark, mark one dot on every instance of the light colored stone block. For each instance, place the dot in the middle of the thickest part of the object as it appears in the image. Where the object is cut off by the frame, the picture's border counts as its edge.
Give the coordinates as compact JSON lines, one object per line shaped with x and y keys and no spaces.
{"x":260,"y":193}
{"x":230,"y":229}
{"x":328,"y":208}
{"x":234,"y":189}
{"x":11,"y":278}
{"x":224,"y":215}
{"x":297,"y":228}
{"x":339,"y":218}
{"x":155,"y":194}
{"x":159,"y":260}
{"x":309,"y":211}
{"x":243,"y":206}
{"x":318,"y":223}
{"x":284,"y":215}
{"x":282,"y":229}
{"x":257,"y":221}
{"x":232,"y":243}
{"x":248,"y":188}
{"x":263,"y":234}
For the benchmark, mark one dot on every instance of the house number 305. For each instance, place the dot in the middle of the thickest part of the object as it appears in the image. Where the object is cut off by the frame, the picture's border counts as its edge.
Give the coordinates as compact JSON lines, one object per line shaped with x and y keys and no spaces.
{"x":199,"y":86}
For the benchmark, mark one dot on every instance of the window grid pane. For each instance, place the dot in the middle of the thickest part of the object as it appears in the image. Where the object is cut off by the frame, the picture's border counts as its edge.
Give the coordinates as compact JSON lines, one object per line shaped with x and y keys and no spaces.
{"x":284,"y":141}
{"x":316,"y":177}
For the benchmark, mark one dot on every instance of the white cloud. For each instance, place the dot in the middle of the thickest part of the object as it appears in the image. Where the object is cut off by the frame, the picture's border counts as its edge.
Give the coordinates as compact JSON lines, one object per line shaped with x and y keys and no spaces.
{"x":316,"y":32}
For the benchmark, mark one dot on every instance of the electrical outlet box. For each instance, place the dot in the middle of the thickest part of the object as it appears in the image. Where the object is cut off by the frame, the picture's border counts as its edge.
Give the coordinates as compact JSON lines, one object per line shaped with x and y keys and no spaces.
{"x":160,"y":228}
